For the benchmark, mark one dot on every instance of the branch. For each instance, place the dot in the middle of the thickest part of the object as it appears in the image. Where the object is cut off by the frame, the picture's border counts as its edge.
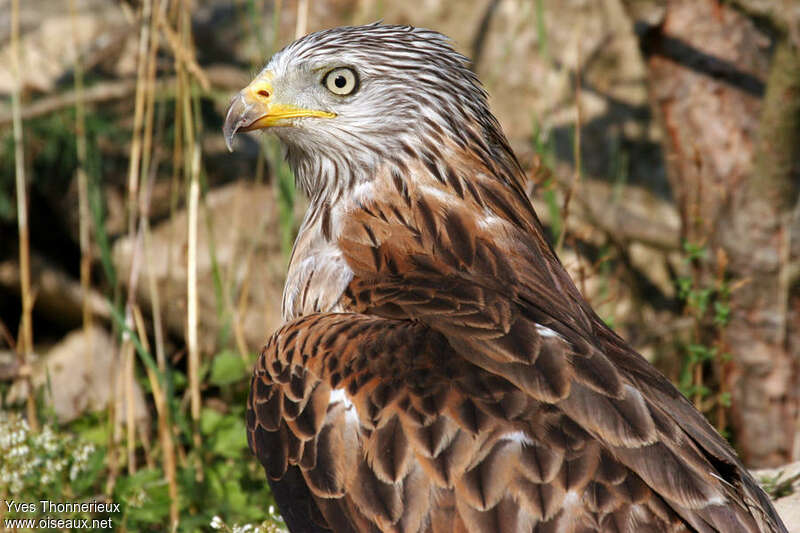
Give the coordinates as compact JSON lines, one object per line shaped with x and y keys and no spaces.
{"x":221,"y":78}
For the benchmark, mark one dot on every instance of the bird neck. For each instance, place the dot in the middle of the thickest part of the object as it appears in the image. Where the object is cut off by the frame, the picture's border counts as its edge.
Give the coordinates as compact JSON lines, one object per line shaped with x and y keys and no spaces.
{"x":324,"y":175}
{"x":331,"y":167}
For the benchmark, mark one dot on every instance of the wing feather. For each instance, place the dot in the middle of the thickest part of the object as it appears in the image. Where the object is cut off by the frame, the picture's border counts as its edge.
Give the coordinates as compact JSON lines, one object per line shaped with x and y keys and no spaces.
{"x":469,"y":388}
{"x":497,"y":294}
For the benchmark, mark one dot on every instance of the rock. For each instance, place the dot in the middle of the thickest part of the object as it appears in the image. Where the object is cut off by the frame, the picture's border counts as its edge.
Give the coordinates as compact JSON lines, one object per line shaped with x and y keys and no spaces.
{"x":59,"y":297}
{"x":238,"y":250}
{"x":788,"y":506}
{"x":47,"y":43}
{"x":9,"y":365}
{"x":80,"y":374}
{"x":789,"y":510}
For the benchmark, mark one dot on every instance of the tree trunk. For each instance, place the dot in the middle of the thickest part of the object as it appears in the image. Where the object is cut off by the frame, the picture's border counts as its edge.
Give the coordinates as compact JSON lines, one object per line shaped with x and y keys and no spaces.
{"x":727,"y":96}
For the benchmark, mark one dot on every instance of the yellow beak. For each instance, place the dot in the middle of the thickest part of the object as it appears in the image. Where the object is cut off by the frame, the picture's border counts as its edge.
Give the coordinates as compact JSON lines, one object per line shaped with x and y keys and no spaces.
{"x":254,"y":108}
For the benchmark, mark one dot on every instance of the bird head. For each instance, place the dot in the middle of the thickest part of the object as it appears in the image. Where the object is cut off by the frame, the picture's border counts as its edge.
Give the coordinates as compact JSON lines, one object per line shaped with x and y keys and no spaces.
{"x":345,"y":100}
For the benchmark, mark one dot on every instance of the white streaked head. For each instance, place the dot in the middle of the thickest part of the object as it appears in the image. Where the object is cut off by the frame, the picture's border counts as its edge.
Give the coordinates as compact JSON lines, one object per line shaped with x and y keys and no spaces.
{"x":346,"y":100}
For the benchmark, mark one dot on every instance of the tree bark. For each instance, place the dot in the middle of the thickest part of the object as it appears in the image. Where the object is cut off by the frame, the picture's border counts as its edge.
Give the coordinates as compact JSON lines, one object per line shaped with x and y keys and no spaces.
{"x":757,"y":233}
{"x":727,"y":97}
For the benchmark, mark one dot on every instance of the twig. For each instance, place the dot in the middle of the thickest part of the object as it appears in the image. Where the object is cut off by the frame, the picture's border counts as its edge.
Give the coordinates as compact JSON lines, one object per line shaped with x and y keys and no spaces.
{"x":22,"y":218}
{"x":5,"y":334}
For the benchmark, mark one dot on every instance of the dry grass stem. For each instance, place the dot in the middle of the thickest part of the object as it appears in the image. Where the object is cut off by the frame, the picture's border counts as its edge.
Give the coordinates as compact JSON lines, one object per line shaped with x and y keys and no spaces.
{"x":177,"y":170}
{"x":22,"y":220}
{"x":276,"y":28}
{"x":164,"y":423}
{"x":141,"y":332}
{"x":132,"y":200}
{"x":130,"y":420}
{"x":148,"y":177}
{"x":138,"y":117}
{"x":301,"y":28}
{"x":221,"y":79}
{"x":192,"y":168}
{"x":191,"y":289}
{"x":84,"y":221}
{"x":149,"y":95}
{"x":112,"y":457}
{"x":183,"y":54}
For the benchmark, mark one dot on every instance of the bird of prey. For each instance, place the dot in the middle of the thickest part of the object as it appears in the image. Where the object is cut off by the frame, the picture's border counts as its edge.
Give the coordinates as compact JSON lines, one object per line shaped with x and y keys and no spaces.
{"x":438,"y":371}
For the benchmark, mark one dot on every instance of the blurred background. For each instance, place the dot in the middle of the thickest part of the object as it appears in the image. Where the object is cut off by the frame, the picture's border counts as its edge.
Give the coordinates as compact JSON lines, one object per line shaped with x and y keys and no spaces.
{"x":141,"y":264}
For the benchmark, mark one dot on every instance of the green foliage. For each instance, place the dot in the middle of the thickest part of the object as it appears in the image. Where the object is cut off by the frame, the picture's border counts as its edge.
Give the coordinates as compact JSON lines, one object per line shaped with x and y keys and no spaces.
{"x":227,"y":368}
{"x":74,"y":462}
{"x":700,"y":298}
{"x":707,"y":303}
{"x":50,"y":146}
{"x":224,"y":434}
{"x":544,"y":147}
{"x":71,"y":463}
{"x":270,"y":525}
{"x":541,"y":31}
{"x":231,"y":484}
{"x":779,"y":485}
{"x":145,"y":498}
{"x":39,"y":466}
{"x":97,"y":210}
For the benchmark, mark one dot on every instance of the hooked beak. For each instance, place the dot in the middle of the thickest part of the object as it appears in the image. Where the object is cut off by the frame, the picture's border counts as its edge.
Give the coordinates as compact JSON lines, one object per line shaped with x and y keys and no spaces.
{"x":254,"y":108}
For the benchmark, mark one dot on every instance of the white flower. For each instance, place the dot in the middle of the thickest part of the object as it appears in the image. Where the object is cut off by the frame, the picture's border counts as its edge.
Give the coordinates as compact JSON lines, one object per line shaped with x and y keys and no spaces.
{"x":217,"y":522}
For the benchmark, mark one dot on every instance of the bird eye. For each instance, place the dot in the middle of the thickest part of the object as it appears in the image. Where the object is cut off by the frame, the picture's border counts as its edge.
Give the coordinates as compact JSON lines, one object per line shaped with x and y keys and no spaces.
{"x":341,"y":81}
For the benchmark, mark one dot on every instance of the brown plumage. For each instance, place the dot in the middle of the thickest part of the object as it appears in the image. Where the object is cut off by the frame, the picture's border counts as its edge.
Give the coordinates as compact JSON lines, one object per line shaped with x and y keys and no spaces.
{"x":438,"y":370}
